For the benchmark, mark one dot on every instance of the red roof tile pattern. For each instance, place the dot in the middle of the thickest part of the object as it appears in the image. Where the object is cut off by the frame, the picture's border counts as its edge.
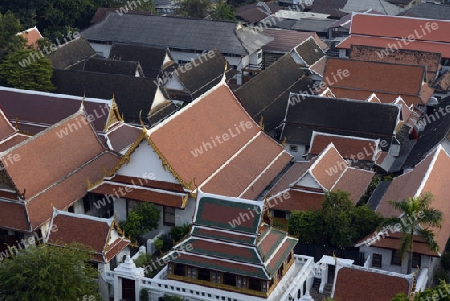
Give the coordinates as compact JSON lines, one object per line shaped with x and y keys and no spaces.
{"x":319,"y":66}
{"x":330,"y":158}
{"x":400,"y":27}
{"x":150,"y":183}
{"x":426,"y":177}
{"x":375,"y":76}
{"x":31,"y":35}
{"x":291,"y":176}
{"x":218,"y":114}
{"x":393,"y":242}
{"x":140,"y":194}
{"x":356,"y":285}
{"x":46,"y":109}
{"x":355,"y":182}
{"x":388,"y":43}
{"x":300,"y":200}
{"x":49,"y":158}
{"x":383,"y":97}
{"x":13,"y":215}
{"x":286,"y":40}
{"x":12,"y":141}
{"x":73,"y":187}
{"x":406,"y":57}
{"x":72,"y":228}
{"x":237,"y":175}
{"x":346,"y":146}
{"x":122,"y":136}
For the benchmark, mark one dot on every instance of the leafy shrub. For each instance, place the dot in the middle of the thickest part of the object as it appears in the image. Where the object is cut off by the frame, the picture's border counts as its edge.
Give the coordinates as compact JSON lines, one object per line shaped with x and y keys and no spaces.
{"x":440,"y":275}
{"x":179,"y":232}
{"x":158,"y":244}
{"x":143,"y":295}
{"x":171,"y":298}
{"x":142,"y":260}
{"x":167,"y":243}
{"x":445,"y":261}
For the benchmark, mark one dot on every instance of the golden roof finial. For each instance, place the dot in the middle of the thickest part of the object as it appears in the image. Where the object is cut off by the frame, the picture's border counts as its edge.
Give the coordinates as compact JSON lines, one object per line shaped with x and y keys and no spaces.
{"x":261,"y":123}
{"x":283,"y":143}
{"x":89,"y":185}
{"x":140,"y":118}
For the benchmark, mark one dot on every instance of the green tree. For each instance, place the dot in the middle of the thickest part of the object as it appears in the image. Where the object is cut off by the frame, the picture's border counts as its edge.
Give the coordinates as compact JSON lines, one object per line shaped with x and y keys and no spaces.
{"x":144,"y":5}
{"x":194,"y":8}
{"x":9,"y":27}
{"x":305,"y":225}
{"x":417,"y":217}
{"x":27,"y":69}
{"x":338,"y":223}
{"x":48,"y":273}
{"x":140,"y":220}
{"x":440,"y":292}
{"x":171,"y":298}
{"x":223,"y":11}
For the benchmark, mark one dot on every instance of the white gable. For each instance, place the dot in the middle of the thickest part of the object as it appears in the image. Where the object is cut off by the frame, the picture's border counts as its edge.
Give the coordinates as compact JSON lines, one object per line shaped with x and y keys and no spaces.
{"x":145,"y":163}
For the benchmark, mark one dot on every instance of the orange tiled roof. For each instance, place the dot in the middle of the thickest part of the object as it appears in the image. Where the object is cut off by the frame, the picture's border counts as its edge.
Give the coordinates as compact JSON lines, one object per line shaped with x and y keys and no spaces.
{"x":400,"y":27}
{"x":442,"y":48}
{"x":31,"y":35}
{"x":73,"y":228}
{"x":215,"y":114}
{"x":369,"y":285}
{"x":375,"y":76}
{"x":426,"y":177}
{"x":49,"y":158}
{"x":346,"y":146}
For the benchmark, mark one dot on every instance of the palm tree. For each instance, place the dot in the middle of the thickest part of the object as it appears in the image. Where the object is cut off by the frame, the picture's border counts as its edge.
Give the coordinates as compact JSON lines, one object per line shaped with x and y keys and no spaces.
{"x":417,"y":216}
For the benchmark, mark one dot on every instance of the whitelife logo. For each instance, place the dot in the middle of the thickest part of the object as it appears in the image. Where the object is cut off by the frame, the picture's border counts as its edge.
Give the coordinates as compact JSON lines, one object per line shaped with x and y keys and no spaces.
{"x":411,"y":38}
{"x":238,"y":129}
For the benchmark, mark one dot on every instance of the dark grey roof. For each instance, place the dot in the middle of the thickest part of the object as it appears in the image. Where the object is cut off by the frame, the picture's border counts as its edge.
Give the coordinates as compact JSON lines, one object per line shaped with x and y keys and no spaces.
{"x":161,"y":112}
{"x":377,"y":194}
{"x":429,"y":11}
{"x":401,"y":2}
{"x":276,"y":22}
{"x":71,"y":53}
{"x":150,"y":58}
{"x":436,"y":129}
{"x":306,"y":113}
{"x":329,"y":7}
{"x":316,"y":25}
{"x":267,"y":94}
{"x":167,"y":32}
{"x":205,"y":72}
{"x":163,"y":3}
{"x":309,"y":51}
{"x":394,"y":164}
{"x":132,"y":94}
{"x":108,"y":66}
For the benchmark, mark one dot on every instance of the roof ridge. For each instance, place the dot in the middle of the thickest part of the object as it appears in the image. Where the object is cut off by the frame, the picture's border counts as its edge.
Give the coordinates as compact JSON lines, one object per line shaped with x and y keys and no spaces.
{"x":437,"y":151}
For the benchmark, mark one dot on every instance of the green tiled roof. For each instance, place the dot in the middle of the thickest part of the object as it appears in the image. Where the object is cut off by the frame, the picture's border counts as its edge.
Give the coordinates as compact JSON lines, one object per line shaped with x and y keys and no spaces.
{"x":226,"y":213}
{"x":217,"y":265}
{"x":219,"y":235}
{"x":224,"y":250}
